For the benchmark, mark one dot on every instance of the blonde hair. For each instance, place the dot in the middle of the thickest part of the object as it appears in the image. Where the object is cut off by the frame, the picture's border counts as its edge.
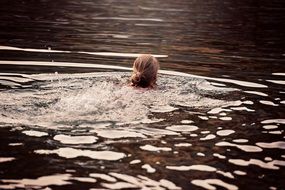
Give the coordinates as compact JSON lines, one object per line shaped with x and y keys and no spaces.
{"x":145,"y":70}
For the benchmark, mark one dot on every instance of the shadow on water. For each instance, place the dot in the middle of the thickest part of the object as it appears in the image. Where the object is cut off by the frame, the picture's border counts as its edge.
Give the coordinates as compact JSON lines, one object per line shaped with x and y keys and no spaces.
{"x":69,"y":120}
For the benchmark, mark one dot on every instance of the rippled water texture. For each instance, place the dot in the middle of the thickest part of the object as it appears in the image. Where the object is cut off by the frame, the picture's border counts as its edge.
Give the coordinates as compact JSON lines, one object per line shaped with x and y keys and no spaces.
{"x":69,"y":119}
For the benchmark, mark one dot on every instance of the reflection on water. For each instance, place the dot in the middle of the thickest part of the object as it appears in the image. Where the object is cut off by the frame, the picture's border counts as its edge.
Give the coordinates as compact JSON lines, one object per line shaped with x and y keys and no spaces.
{"x":216,"y":119}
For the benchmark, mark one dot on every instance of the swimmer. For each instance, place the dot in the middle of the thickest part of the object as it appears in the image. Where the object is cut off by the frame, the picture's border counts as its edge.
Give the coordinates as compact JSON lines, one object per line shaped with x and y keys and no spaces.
{"x":145,"y":70}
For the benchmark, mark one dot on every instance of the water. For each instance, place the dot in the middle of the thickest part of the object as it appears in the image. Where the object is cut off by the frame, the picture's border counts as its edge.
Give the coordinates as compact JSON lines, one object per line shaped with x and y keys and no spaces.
{"x":69,"y":120}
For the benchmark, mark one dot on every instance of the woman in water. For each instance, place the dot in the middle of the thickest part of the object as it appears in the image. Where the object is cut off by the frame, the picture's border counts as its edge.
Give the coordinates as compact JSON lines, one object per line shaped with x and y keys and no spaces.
{"x":145,"y":70}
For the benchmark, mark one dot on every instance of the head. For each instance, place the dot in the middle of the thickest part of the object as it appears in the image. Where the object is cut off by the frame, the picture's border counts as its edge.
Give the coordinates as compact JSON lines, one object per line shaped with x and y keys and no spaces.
{"x":145,"y":70}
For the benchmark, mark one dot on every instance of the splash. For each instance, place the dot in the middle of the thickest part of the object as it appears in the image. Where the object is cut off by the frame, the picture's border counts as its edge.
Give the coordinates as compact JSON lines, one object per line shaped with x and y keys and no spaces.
{"x":73,"y":100}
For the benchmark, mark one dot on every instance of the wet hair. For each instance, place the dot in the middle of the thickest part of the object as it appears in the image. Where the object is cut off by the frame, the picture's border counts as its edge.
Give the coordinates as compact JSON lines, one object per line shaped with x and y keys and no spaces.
{"x":145,"y":70}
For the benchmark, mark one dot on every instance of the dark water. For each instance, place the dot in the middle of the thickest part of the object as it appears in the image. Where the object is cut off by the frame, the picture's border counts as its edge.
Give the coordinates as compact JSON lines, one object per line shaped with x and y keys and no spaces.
{"x":68,"y":121}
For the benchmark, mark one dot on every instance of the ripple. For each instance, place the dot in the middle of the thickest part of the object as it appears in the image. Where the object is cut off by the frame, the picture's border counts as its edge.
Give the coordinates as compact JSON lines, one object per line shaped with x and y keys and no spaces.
{"x":162,"y":109}
{"x":237,"y":82}
{"x":281,"y":121}
{"x":277,"y":81}
{"x":73,"y":153}
{"x":66,"y":139}
{"x":219,"y":156}
{"x":278,"y":144}
{"x":269,"y":103}
{"x":135,"y":161}
{"x":218,"y":110}
{"x":208,"y":137}
{"x":226,"y":118}
{"x":240,"y":140}
{"x":141,"y":182}
{"x":113,"y":54}
{"x":182,"y":128}
{"x":33,"y":133}
{"x":238,"y":172}
{"x":193,"y":167}
{"x":209,"y":184}
{"x":116,"y":134}
{"x":103,"y":177}
{"x":225,"y":132}
{"x":148,"y":168}
{"x":266,"y":165}
{"x":256,"y":93}
{"x":15,"y":144}
{"x":183,"y":144}
{"x":154,"y":148}
{"x":270,"y":127}
{"x":6,"y":159}
{"x":242,"y":109}
{"x":128,"y":19}
{"x":58,"y":179}
{"x":186,"y":121}
{"x":246,"y":148}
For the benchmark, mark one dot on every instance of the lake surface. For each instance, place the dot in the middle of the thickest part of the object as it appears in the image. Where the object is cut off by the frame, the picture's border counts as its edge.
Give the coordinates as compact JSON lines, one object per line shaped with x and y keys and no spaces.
{"x":69,"y":120}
